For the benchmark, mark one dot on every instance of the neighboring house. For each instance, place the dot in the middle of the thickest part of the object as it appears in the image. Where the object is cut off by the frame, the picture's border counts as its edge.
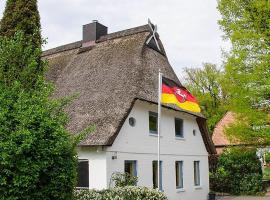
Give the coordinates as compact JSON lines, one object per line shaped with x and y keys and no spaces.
{"x":221,"y":141}
{"x":116,"y":78}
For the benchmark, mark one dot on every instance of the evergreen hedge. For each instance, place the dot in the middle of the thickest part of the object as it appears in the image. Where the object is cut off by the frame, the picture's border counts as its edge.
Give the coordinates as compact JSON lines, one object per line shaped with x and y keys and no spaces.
{"x":239,"y":172}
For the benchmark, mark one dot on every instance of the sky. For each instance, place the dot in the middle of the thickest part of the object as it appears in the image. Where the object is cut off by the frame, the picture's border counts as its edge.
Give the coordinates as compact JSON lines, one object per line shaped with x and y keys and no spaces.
{"x":188,"y":28}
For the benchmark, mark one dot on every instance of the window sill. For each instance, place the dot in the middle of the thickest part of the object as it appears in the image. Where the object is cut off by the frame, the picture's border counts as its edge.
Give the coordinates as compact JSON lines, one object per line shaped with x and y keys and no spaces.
{"x":154,"y":135}
{"x":178,"y":190}
{"x":82,"y":188}
{"x":198,"y":187}
{"x":180,"y":138}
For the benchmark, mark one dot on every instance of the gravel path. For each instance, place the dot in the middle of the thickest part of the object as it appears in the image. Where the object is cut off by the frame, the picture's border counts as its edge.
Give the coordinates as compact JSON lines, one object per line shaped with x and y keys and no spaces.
{"x":243,"y":198}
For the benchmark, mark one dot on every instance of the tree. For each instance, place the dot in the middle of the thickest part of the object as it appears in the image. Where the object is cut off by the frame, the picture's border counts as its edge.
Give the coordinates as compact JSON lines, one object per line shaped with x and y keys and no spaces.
{"x":246,"y":23}
{"x":206,"y":85}
{"x":23,"y":16}
{"x":37,"y":154}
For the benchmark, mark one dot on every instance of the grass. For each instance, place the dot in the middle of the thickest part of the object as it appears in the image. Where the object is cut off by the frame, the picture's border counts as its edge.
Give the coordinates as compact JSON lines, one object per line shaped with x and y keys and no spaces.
{"x":266,"y":173}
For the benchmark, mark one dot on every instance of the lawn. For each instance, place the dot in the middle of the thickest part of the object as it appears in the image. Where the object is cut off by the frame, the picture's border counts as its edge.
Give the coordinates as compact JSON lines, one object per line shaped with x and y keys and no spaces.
{"x":266,"y":173}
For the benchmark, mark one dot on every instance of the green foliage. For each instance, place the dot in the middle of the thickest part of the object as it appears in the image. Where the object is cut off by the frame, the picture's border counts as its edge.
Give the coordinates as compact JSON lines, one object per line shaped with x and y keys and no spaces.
{"x":206,"y":84}
{"x":246,"y":23}
{"x":239,"y":172}
{"x":266,"y":173}
{"x":22,"y":16}
{"x":19,"y":62}
{"x":121,"y":193}
{"x":124,"y":179}
{"x":267,"y":157}
{"x":37,"y":154}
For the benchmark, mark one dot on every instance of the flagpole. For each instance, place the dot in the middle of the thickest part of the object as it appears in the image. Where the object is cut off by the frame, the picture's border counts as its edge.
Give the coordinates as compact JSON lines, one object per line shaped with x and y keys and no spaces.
{"x":159,"y":125}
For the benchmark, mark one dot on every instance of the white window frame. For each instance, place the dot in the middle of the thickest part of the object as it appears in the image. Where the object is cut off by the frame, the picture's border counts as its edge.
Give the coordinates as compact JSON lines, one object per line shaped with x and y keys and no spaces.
{"x":182,"y":136}
{"x":197,"y":173}
{"x":179,"y":166}
{"x":154,"y":114}
{"x":85,"y":160}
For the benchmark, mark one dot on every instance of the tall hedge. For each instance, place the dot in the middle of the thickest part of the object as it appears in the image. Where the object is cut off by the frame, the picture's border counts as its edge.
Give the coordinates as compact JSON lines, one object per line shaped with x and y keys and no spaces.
{"x":239,"y":171}
{"x":23,"y":16}
{"x":37,"y":154}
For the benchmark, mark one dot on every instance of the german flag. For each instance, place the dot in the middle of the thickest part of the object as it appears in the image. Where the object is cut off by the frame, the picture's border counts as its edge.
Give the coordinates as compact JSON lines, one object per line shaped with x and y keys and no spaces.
{"x":172,"y":93}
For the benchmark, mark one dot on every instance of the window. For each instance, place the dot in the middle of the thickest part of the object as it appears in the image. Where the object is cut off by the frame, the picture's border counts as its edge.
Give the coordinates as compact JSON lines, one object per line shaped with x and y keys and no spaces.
{"x":131,"y":167}
{"x":83,"y":174}
{"x":179,"y":127}
{"x":179,"y":174}
{"x":155,"y":174}
{"x":197,"y":173}
{"x":153,"y":118}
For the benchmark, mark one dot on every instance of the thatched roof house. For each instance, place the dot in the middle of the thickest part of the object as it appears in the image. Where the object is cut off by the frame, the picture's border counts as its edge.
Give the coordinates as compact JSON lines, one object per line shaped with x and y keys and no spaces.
{"x":110,"y":72}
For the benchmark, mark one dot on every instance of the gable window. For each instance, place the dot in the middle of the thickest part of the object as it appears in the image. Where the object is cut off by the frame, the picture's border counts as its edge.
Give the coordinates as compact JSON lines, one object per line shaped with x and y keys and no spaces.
{"x":179,"y":174}
{"x":197,"y":173}
{"x":179,"y":131}
{"x":155,"y":174}
{"x":153,"y":120}
{"x":131,"y":167}
{"x":83,"y":174}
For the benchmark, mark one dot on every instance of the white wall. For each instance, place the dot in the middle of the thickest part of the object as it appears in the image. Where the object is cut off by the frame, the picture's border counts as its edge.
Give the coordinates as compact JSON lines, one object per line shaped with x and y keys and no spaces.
{"x":135,"y":143}
{"x":97,"y":166}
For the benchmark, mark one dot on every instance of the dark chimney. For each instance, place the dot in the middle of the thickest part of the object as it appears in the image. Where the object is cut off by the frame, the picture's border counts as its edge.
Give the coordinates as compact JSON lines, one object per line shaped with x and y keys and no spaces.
{"x":93,"y":31}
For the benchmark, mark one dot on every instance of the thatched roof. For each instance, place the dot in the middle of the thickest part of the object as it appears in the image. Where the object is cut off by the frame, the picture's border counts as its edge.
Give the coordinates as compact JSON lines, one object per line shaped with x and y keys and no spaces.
{"x":109,"y":77}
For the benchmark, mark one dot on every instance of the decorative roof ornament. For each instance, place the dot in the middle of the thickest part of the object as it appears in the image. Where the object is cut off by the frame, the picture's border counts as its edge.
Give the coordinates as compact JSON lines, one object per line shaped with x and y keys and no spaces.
{"x":153,"y":39}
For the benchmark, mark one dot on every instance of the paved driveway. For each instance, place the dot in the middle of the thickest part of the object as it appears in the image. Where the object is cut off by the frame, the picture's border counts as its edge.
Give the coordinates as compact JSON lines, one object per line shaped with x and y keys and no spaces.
{"x":243,"y":198}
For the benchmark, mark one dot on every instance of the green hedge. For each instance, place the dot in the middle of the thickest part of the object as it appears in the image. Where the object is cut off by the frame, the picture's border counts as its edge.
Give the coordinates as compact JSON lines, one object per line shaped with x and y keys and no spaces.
{"x":238,"y":172}
{"x":120,"y":193}
{"x":267,"y":157}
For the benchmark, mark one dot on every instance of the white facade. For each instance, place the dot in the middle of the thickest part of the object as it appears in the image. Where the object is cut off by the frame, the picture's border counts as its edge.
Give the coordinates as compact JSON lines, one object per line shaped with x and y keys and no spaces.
{"x":136,"y":143}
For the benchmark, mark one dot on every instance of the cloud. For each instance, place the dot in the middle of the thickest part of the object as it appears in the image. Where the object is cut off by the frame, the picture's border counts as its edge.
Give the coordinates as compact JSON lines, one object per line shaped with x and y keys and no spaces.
{"x":188,"y":29}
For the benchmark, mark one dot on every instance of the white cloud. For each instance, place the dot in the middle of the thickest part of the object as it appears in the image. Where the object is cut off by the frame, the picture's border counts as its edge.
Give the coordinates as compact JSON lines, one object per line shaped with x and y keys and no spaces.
{"x":188,"y":29}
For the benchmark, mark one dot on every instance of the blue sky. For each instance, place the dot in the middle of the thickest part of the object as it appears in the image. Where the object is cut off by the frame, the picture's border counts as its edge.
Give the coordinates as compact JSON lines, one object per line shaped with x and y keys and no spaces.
{"x":188,"y":29}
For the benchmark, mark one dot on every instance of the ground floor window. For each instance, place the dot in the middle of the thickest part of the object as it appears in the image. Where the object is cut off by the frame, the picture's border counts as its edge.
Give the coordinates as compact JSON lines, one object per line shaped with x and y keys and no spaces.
{"x":83,"y":174}
{"x":131,"y":167}
{"x":197,"y":173}
{"x":179,"y":174}
{"x":155,"y":174}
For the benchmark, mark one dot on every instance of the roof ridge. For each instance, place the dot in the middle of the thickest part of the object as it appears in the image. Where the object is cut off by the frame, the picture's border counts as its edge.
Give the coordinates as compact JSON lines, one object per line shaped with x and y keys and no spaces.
{"x":110,"y":36}
{"x":59,"y":49}
{"x":125,"y":32}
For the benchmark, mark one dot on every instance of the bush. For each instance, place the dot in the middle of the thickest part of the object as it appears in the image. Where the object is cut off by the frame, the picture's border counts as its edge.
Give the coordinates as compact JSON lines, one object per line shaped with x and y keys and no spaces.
{"x":267,"y":157}
{"x":120,"y":193}
{"x":124,"y":179}
{"x":238,"y":172}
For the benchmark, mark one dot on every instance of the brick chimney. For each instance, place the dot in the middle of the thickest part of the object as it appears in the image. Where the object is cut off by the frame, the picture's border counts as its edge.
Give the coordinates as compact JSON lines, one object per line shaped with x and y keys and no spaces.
{"x":92,"y":32}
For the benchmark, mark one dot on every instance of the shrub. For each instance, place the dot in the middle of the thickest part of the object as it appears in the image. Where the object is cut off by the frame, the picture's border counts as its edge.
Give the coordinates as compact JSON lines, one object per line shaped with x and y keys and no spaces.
{"x":267,"y":157}
{"x":239,"y":172}
{"x":124,"y":179}
{"x":121,"y":193}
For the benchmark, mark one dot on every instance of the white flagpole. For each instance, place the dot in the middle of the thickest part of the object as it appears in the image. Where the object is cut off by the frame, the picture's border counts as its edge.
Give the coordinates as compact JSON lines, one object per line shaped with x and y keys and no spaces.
{"x":159,"y":123}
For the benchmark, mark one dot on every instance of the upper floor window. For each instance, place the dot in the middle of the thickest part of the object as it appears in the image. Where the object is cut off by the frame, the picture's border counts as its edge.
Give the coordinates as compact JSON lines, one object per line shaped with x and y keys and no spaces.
{"x":153,"y":120}
{"x":83,"y":174}
{"x":179,"y":174}
{"x":179,"y":132}
{"x":197,"y":173}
